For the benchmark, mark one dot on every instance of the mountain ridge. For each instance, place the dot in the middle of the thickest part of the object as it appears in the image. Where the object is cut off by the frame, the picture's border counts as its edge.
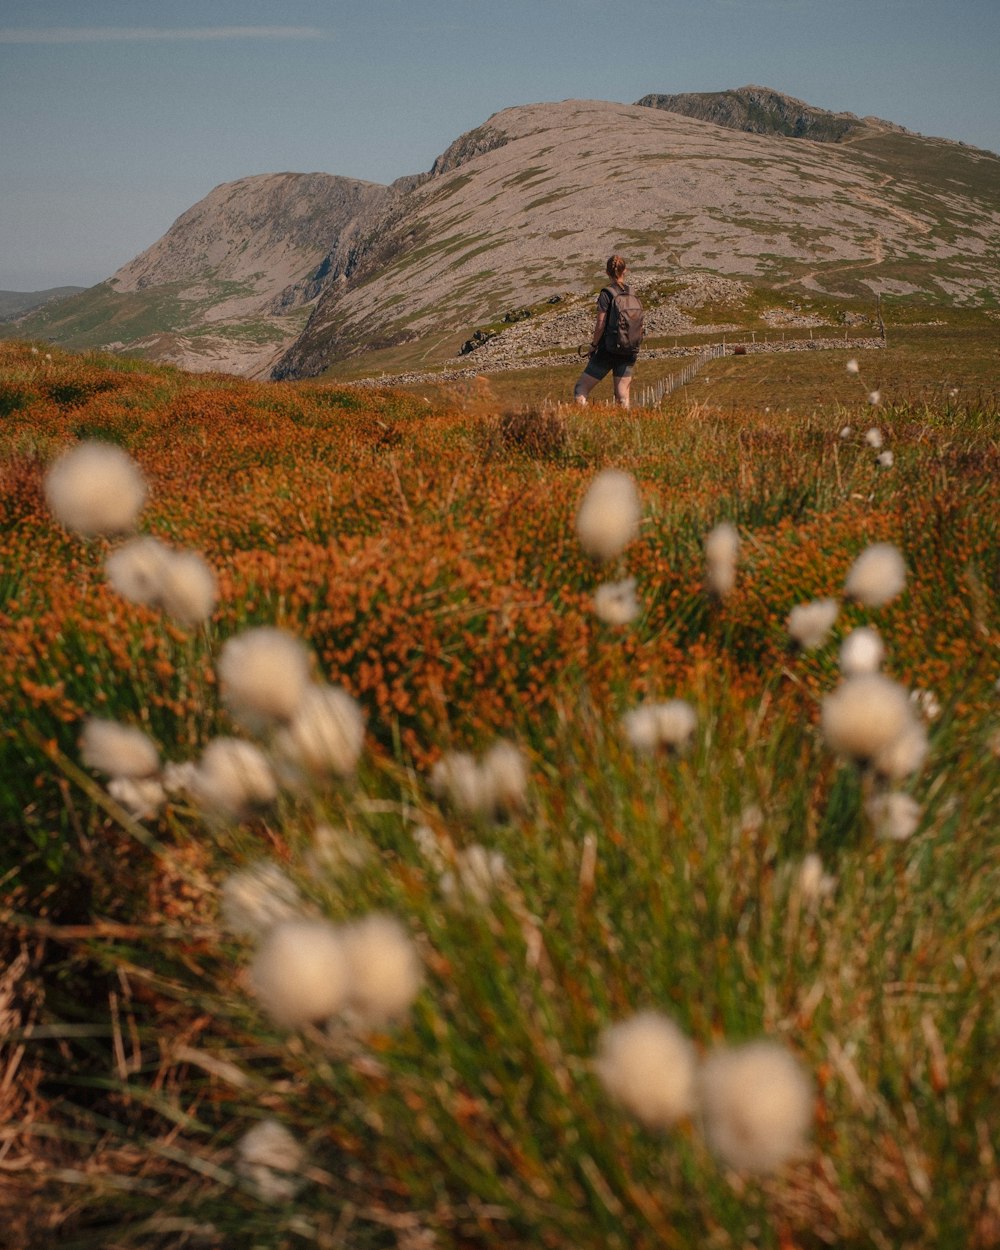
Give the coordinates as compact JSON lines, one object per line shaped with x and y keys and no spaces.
{"x":288,"y":274}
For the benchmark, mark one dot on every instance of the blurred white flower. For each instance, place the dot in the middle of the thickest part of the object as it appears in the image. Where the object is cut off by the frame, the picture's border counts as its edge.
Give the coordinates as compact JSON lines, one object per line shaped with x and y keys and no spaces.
{"x":148,"y":572}
{"x":335,"y":852}
{"x":118,"y":750}
{"x":326,"y":732}
{"x":846,"y":431}
{"x":904,"y":755}
{"x":885,"y":459}
{"x":255,"y":898}
{"x":757,"y":1103}
{"x":874,"y":398}
{"x":813,"y":882}
{"x":457,"y":778}
{"x":96,"y":488}
{"x":862,"y":651}
{"x":477,"y":875}
{"x":808,"y":624}
{"x":301,"y":973}
{"x":271,"y":1160}
{"x":873,"y":437}
{"x":615,"y":602}
{"x":722,"y":546}
{"x":648,"y":1066}
{"x":927,"y":702}
{"x":233,"y":777}
{"x":384,"y":970}
{"x":180,"y":778}
{"x":865,"y":717}
{"x":142,"y":797}
{"x":608,"y":518}
{"x":876,"y":576}
{"x":852,"y":366}
{"x":505,"y":777}
{"x":894,"y":817}
{"x":263,"y":674}
{"x":653,"y":725}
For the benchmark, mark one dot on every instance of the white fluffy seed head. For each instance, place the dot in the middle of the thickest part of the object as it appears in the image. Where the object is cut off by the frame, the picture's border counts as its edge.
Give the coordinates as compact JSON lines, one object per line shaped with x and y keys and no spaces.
{"x":118,"y":750}
{"x":852,"y":366}
{"x":648,"y":1066}
{"x":255,"y":898}
{"x":477,"y":875}
{"x":384,"y":970}
{"x":722,"y":544}
{"x":263,"y":674}
{"x":757,"y":1104}
{"x":608,"y":518}
{"x":271,"y":1160}
{"x":142,"y":797}
{"x":135,"y":569}
{"x":905,"y":755}
{"x":865,"y":716}
{"x":96,"y":488}
{"x":233,"y":777}
{"x":873,"y":437}
{"x":894,"y":817}
{"x":326,"y":733}
{"x":615,"y":603}
{"x":862,"y":651}
{"x":301,"y":973}
{"x":811,"y":881}
{"x":189,"y":589}
{"x":505,"y":777}
{"x":876,"y":576}
{"x":809,"y":624}
{"x":650,"y":726}
{"x":457,"y":778}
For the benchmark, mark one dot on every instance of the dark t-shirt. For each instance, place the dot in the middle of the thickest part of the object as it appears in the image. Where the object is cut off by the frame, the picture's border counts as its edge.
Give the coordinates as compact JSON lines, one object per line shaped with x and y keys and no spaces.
{"x":604,"y":299}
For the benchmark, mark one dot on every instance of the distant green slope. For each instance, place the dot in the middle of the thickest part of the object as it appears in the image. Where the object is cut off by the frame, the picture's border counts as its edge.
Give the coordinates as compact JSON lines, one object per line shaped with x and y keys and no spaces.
{"x":17,"y":303}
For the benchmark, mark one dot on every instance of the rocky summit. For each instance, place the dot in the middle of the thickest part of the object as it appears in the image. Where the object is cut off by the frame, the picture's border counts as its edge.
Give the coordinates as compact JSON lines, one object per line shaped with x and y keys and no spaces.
{"x":290,"y":275}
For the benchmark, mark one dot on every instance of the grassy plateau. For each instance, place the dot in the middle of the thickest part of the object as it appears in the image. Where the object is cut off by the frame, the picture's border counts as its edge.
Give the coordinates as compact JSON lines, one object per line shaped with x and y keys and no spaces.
{"x":601,"y":935}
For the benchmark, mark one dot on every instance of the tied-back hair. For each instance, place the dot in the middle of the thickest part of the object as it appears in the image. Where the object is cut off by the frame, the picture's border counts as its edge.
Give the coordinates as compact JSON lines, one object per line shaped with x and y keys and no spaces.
{"x":616,"y":267}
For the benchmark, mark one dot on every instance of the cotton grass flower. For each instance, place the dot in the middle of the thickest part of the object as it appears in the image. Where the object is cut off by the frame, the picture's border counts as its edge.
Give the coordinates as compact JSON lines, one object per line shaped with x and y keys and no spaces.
{"x":384,"y":970}
{"x":142,"y":797}
{"x":846,"y":431}
{"x":615,"y":603}
{"x":876,"y":576}
{"x":255,"y":898}
{"x":148,"y":572}
{"x":894,"y":817}
{"x":263,"y":675}
{"x":647,"y":1065}
{"x":757,"y":1105}
{"x":477,"y":875}
{"x":905,"y":755}
{"x":301,"y":973}
{"x":809,"y":624}
{"x":862,"y":651}
{"x":873,"y":437}
{"x":812,"y":882}
{"x":118,"y":750}
{"x":233,"y":778}
{"x":270,"y":1159}
{"x":852,"y":366}
{"x":722,"y":546}
{"x":885,"y":460}
{"x":609,"y":515}
{"x":96,"y":488}
{"x":650,"y":726}
{"x":458,"y":779}
{"x":874,"y":398}
{"x":865,"y":717}
{"x":326,"y":733}
{"x":505,"y":778}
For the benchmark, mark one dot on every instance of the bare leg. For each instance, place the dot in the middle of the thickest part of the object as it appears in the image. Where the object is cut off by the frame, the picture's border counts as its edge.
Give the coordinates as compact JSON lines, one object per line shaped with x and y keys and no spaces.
{"x":621,"y":391}
{"x":584,"y":386}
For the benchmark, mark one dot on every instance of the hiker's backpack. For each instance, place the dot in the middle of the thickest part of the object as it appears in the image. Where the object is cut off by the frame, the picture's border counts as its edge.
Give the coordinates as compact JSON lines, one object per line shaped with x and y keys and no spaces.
{"x":623,"y":332}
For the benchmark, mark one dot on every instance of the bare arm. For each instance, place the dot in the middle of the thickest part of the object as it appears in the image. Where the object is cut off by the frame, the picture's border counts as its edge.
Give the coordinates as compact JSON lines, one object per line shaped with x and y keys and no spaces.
{"x":598,"y":335}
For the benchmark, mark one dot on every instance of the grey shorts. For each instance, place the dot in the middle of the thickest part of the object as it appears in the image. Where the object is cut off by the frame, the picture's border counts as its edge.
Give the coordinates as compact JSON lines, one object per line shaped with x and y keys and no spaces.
{"x":602,"y":363}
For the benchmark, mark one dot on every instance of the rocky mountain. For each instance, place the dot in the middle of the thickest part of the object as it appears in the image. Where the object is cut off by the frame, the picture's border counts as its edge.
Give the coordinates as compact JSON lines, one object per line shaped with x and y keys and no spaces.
{"x":763,"y":111}
{"x":297,"y":273}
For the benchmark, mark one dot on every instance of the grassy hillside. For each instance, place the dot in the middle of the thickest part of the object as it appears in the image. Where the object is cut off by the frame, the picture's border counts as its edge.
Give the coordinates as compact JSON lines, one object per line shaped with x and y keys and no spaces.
{"x":427,"y":549}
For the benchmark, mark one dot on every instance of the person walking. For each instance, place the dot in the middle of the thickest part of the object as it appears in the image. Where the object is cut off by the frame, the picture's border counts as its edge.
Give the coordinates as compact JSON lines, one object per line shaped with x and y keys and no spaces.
{"x":603,"y":359}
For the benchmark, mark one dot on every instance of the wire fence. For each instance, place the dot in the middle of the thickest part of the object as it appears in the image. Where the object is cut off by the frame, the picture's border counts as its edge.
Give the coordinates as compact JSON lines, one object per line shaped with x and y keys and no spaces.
{"x":650,"y":396}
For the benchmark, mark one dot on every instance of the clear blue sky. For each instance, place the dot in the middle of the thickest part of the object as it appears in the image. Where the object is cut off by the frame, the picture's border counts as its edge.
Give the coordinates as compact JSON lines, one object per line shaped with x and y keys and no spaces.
{"x":117,"y":115}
